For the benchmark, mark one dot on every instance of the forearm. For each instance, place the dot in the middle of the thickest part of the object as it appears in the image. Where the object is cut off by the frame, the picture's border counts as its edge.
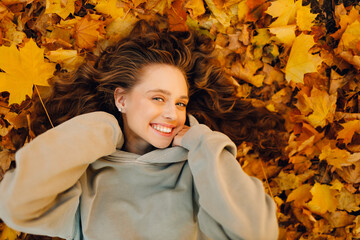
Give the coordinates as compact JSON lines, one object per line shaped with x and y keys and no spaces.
{"x":227,"y":195}
{"x":54,"y":161}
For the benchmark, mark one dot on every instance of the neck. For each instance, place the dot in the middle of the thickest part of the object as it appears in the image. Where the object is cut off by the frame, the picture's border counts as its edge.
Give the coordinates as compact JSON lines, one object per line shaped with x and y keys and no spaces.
{"x":133,"y":143}
{"x":139,"y":149}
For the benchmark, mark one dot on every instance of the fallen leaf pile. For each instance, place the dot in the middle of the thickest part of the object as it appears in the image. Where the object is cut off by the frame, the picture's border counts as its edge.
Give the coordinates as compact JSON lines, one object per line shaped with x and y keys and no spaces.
{"x":300,"y":59}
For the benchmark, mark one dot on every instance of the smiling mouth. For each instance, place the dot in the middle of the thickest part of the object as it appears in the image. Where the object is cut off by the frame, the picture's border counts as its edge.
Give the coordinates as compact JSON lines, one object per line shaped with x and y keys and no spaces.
{"x":161,"y":129}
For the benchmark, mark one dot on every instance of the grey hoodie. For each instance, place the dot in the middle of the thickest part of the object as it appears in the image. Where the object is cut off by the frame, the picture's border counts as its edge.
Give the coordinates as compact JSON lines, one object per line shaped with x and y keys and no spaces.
{"x":73,"y":182}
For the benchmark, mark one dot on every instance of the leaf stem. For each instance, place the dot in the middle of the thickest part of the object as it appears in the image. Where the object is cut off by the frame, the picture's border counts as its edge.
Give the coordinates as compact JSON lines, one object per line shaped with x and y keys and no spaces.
{"x":266,"y":179}
{"x":47,"y":114}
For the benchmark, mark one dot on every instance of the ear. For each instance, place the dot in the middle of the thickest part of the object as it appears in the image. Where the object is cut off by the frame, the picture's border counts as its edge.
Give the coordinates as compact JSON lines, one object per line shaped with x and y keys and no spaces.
{"x":120,"y":98}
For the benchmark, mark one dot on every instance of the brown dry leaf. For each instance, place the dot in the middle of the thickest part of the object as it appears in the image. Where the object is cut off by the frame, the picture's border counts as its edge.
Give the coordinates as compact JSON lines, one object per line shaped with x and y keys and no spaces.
{"x":253,"y":166}
{"x":336,"y":82}
{"x":255,"y":9}
{"x":248,"y":72}
{"x":137,"y":2}
{"x":348,"y":201}
{"x":17,"y":120}
{"x":12,"y":34}
{"x":5,"y":160}
{"x":350,"y":174}
{"x":5,"y":13}
{"x":339,"y":219}
{"x":272,"y":75}
{"x":87,"y":32}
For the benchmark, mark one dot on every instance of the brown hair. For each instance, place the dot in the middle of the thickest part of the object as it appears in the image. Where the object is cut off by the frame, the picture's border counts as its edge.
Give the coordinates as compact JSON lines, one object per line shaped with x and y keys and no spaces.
{"x":213,"y":99}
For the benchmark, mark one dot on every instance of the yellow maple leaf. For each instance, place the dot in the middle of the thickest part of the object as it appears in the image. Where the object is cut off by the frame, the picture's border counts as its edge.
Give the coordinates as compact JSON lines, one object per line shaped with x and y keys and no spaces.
{"x":300,"y":195}
{"x":68,"y":59}
{"x":120,"y":27}
{"x":284,"y":11}
{"x":158,"y":6}
{"x":323,"y":106}
{"x":9,"y":234}
{"x":345,"y":19}
{"x":243,"y":9}
{"x":350,"y":38}
{"x":110,"y":7}
{"x":304,"y":18}
{"x":219,"y":14}
{"x":284,"y":34}
{"x":287,"y":181}
{"x":335,"y":157}
{"x":336,"y":184}
{"x":63,"y":8}
{"x":22,"y":69}
{"x":350,"y":128}
{"x":300,"y":60}
{"x":323,"y":200}
{"x":197,"y":7}
{"x":259,"y":41}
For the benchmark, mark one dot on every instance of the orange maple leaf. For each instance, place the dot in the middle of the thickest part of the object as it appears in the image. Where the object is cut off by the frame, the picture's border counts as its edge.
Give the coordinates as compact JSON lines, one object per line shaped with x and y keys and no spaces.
{"x":197,"y":7}
{"x":87,"y":31}
{"x":300,"y":195}
{"x":336,"y":157}
{"x":177,"y":16}
{"x":256,"y":9}
{"x":350,"y":128}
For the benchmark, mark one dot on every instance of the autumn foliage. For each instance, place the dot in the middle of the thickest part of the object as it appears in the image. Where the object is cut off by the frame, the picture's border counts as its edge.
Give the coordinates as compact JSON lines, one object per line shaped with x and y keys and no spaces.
{"x":300,"y":59}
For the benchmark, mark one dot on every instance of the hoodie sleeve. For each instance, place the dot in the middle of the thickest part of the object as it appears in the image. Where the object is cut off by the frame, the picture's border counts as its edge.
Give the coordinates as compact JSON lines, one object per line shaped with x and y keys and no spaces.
{"x":232,"y":205}
{"x":41,"y":195}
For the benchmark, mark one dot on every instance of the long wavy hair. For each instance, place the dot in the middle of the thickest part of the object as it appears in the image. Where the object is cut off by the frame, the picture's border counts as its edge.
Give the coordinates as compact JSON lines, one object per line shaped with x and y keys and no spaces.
{"x":212,"y":94}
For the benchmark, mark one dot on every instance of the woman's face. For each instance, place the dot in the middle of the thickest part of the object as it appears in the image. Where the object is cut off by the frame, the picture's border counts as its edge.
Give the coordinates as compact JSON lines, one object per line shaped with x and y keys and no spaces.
{"x":154,"y":110}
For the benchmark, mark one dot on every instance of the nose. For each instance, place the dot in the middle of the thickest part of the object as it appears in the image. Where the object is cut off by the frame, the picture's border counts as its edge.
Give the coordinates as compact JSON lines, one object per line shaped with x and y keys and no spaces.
{"x":169,"y":111}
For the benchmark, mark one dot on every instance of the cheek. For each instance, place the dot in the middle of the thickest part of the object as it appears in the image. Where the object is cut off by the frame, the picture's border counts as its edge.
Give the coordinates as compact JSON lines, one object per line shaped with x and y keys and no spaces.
{"x":182,"y":118}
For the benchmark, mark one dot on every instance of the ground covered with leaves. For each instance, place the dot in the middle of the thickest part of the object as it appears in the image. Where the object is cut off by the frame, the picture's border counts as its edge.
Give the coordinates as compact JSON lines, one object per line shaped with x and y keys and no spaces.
{"x":300,"y":59}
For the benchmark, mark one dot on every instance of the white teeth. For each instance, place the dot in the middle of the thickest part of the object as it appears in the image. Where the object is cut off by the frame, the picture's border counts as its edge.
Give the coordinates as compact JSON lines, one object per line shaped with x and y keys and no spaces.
{"x":162,"y":128}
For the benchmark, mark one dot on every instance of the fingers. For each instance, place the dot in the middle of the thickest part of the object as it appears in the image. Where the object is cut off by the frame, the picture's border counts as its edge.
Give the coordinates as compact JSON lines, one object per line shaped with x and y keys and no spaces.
{"x":178,"y":137}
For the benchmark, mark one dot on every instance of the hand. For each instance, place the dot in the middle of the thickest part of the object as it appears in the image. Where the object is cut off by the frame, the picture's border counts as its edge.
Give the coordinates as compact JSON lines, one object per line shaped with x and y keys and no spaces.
{"x":178,"y":137}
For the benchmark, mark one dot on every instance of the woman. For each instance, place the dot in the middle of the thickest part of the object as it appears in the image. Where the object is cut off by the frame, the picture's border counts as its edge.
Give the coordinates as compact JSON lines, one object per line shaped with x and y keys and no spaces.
{"x":125,"y":161}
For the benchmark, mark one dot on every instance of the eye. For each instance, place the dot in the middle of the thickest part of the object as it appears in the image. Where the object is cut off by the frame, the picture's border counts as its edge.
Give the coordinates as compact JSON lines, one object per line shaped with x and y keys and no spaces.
{"x":181,"y":104}
{"x":159,"y":99}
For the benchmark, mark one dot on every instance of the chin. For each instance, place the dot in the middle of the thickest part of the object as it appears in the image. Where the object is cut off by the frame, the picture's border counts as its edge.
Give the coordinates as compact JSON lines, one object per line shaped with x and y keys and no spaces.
{"x":161,"y":145}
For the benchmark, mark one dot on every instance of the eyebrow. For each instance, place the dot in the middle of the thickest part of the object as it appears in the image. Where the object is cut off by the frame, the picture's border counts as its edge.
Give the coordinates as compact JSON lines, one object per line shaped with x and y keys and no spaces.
{"x":166,"y":93}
